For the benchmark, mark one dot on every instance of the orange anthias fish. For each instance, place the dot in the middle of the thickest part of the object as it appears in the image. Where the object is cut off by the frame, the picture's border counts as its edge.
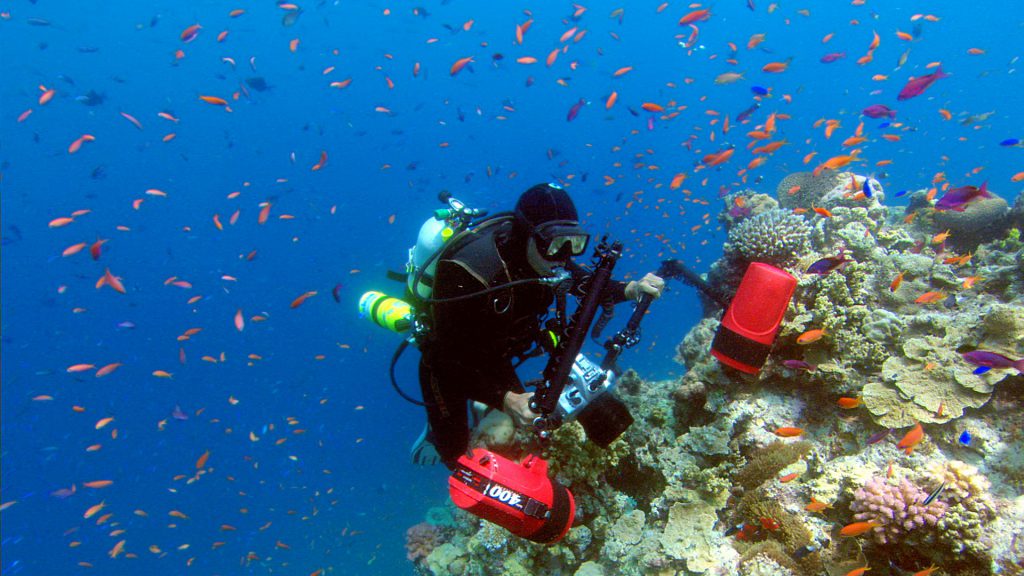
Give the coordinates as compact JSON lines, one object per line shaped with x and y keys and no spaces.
{"x":858,"y":528}
{"x":930,"y":297}
{"x":718,"y":157}
{"x":848,"y":403}
{"x":789,"y":432}
{"x":858,"y":571}
{"x":811,"y":336}
{"x":896,"y":282}
{"x":789,"y":477}
{"x":927,"y":571}
{"x":911,"y":439}
{"x":816,"y":506}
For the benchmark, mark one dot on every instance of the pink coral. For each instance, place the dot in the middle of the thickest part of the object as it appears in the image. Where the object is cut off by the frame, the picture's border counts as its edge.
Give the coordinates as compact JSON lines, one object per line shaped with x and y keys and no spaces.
{"x":900,"y":509}
{"x":421,"y":539}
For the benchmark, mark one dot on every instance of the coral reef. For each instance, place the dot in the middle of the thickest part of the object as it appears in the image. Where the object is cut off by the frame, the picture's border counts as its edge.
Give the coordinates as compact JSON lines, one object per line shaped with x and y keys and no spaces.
{"x":776,"y":236}
{"x":900,"y":510}
{"x":702,"y":460}
{"x":421,"y":539}
{"x":804,"y":189}
{"x":985,"y":221}
{"x":970,"y":505}
{"x":766,"y":559}
{"x":769,"y":461}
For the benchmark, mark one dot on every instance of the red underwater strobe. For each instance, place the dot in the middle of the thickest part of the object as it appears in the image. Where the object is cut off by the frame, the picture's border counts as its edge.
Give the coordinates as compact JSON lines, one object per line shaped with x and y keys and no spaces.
{"x":516,"y":496}
{"x":749,"y":326}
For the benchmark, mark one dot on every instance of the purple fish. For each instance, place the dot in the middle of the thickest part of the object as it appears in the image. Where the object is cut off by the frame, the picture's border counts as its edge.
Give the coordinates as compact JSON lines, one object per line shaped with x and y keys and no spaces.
{"x":64,"y":493}
{"x":799,"y":365}
{"x":575,"y":110}
{"x":336,"y":292}
{"x":879,"y":436}
{"x":177,"y":414}
{"x":917,"y":86}
{"x":992,"y":360}
{"x":878,"y":111}
{"x":832,"y":57}
{"x":827,"y":265}
{"x":957,"y":199}
{"x":739,"y":211}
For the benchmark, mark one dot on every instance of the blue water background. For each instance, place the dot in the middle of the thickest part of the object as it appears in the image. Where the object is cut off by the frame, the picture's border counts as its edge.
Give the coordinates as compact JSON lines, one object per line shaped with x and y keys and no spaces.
{"x":342,"y":494}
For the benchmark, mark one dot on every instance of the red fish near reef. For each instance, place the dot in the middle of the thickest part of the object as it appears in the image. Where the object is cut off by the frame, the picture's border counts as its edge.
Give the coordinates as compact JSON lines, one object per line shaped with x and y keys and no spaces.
{"x":917,"y":86}
{"x":911,"y":439}
{"x":957,"y":199}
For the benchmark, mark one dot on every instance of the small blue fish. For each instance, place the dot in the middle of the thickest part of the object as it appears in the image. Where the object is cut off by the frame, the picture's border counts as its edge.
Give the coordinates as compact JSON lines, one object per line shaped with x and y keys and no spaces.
{"x":1010,"y":142}
{"x":759,"y":90}
{"x":867,"y":187}
{"x":981,"y":370}
{"x":965,"y":438}
{"x":885,"y":124}
{"x":901,"y":193}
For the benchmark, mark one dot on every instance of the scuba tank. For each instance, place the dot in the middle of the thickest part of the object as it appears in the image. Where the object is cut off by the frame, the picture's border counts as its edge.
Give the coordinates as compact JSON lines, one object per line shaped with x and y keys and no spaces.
{"x":385,"y":311}
{"x":432,"y":237}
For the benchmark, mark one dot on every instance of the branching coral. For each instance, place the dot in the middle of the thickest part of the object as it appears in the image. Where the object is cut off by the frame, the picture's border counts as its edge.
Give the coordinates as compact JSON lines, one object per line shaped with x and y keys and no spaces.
{"x":899,"y":509}
{"x":776,"y":237}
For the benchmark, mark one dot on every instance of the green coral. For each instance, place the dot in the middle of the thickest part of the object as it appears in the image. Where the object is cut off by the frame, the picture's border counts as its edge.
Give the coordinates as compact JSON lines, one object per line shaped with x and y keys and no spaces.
{"x":766,"y":463}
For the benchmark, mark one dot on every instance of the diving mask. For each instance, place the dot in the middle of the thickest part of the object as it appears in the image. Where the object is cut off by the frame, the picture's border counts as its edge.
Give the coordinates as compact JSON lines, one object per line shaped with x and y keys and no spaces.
{"x":560,"y":239}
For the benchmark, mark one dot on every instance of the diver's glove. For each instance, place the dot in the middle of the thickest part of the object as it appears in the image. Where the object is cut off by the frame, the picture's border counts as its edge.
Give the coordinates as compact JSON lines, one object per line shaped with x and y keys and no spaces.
{"x":649,"y":284}
{"x":423,"y":452}
{"x":518,"y":407}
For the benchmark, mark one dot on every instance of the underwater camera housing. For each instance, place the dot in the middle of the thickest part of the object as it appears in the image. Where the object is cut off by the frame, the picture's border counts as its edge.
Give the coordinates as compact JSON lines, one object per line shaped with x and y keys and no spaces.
{"x":587,"y":397}
{"x":749,"y":325}
{"x":519,"y":497}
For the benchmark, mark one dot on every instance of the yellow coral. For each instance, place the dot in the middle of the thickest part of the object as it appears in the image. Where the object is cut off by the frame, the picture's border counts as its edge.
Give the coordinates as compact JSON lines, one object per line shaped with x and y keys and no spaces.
{"x":962,"y":480}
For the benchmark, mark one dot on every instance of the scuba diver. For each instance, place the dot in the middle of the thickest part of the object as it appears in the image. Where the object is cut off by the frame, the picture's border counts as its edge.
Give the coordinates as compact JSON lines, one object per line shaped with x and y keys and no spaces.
{"x":489,"y":293}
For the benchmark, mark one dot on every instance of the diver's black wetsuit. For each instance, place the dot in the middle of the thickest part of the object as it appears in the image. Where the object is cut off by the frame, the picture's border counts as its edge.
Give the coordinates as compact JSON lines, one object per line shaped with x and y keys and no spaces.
{"x":469,"y":355}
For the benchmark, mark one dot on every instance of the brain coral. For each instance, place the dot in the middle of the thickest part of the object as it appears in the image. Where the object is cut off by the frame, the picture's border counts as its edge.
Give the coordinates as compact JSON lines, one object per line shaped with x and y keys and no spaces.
{"x":981,"y":222}
{"x":777,"y":237}
{"x":898,"y":508}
